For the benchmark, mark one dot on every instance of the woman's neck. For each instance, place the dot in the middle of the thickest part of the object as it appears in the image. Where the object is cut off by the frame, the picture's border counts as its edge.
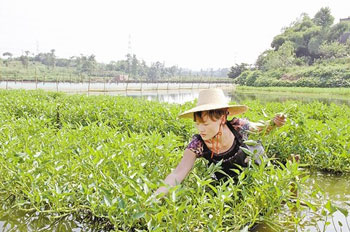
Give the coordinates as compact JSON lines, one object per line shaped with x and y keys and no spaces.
{"x":225,"y":140}
{"x":227,"y":137}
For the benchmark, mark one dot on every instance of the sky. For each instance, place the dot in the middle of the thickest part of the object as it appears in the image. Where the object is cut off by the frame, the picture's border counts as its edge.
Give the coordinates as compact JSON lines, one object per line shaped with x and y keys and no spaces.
{"x":194,"y":34}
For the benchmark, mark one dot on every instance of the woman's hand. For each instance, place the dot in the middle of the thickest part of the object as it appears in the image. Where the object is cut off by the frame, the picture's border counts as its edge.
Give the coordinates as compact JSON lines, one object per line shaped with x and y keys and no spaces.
{"x":279,"y":119}
{"x":179,"y":173}
{"x":161,"y":190}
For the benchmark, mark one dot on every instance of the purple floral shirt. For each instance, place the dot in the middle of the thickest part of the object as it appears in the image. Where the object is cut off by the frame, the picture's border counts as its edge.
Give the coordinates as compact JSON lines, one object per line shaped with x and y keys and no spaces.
{"x":241,"y":125}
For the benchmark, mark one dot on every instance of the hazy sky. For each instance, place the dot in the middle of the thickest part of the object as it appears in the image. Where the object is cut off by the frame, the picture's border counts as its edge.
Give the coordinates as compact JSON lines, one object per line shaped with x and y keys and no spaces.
{"x":189,"y":33}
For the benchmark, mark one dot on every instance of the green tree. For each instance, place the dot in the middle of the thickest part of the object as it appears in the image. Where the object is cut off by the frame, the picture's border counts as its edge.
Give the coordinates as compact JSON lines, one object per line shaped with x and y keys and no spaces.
{"x":134,"y":66}
{"x":173,"y":70}
{"x":337,"y":31}
{"x":286,"y":54}
{"x":263,"y":59}
{"x":25,"y":59}
{"x":143,"y":68}
{"x":305,"y":35}
{"x":92,"y":63}
{"x":154,"y":72}
{"x":123,"y":66}
{"x":52,"y":58}
{"x":129,"y":63}
{"x":314,"y":46}
{"x":323,"y":17}
{"x":278,"y":41}
{"x":112,"y":66}
{"x":9,"y":58}
{"x":334,"y":50}
{"x":283,"y":57}
{"x":237,"y":69}
{"x":88,"y":64}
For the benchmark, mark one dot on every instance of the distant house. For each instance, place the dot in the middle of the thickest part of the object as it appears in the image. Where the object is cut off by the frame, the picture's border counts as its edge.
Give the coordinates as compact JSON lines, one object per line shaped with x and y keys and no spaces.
{"x":344,"y":37}
{"x":120,"y":77}
{"x":123,"y":77}
{"x":345,"y":19}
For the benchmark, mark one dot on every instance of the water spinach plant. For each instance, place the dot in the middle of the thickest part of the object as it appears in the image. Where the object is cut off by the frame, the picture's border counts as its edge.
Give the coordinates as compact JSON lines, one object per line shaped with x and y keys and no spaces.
{"x":104,"y":156}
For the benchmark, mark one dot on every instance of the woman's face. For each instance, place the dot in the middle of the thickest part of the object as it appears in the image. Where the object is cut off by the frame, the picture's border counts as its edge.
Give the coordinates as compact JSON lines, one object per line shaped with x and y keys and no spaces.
{"x":208,"y":128}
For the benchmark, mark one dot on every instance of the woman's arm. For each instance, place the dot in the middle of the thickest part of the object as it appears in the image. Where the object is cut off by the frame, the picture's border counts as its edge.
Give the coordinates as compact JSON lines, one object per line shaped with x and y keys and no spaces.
{"x":278,"y":121}
{"x":180,"y":172}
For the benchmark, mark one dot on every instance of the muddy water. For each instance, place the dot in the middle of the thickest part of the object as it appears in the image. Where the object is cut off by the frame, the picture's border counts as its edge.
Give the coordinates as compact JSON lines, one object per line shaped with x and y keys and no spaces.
{"x":333,"y":187}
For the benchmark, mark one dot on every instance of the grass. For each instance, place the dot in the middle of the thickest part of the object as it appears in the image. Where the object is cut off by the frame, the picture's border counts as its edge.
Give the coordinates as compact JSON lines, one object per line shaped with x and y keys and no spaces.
{"x":304,"y":90}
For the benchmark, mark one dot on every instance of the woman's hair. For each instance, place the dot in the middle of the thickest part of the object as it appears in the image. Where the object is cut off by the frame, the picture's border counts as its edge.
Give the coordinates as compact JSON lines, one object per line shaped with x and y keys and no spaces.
{"x":213,"y":114}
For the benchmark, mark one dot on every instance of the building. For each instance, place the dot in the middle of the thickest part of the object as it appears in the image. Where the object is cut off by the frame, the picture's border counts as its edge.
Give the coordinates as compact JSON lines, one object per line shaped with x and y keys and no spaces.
{"x":120,"y":77}
{"x":345,"y":19}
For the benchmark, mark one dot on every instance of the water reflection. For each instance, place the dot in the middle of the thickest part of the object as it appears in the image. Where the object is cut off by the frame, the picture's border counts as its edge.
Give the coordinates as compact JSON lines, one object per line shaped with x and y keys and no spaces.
{"x":170,"y":96}
{"x":181,"y":96}
{"x":17,"y":220}
{"x":168,"y":92}
{"x":335,"y":188}
{"x":185,"y":95}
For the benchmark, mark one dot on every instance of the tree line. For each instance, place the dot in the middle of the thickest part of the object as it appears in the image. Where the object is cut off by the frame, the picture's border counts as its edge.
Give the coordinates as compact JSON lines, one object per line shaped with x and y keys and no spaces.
{"x":131,"y":66}
{"x":300,"y":54}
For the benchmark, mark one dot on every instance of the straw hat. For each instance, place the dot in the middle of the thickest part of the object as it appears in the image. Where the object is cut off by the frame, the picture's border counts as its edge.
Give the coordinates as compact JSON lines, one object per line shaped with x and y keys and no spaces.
{"x":212,"y":99}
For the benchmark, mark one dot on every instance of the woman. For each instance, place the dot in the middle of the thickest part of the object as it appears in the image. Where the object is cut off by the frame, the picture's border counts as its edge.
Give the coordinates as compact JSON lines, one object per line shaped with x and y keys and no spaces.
{"x":218,"y":139}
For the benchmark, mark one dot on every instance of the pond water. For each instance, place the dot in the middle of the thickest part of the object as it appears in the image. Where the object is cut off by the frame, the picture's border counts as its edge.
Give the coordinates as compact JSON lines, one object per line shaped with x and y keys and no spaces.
{"x":181,"y":96}
{"x":335,"y":188}
{"x":167,"y":92}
